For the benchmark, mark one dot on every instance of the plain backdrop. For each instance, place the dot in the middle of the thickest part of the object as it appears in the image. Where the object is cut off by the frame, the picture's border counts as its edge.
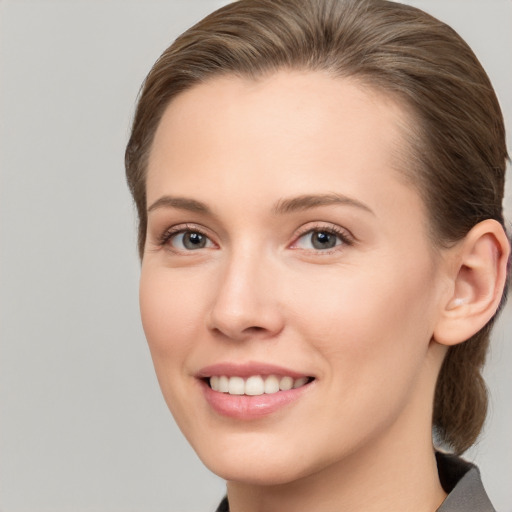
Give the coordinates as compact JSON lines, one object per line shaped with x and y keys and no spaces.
{"x":83,"y":426}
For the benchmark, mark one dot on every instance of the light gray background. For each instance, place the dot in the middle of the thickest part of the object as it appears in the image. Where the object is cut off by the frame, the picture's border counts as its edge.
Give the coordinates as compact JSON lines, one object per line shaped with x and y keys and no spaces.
{"x":83,"y":426}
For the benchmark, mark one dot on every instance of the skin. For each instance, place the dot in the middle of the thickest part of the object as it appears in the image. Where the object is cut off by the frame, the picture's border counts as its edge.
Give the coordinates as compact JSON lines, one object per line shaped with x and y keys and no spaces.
{"x":359,"y":317}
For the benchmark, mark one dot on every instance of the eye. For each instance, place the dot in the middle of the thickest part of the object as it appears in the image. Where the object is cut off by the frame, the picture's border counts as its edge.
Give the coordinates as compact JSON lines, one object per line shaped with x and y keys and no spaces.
{"x":189,"y":240}
{"x":321,"y":239}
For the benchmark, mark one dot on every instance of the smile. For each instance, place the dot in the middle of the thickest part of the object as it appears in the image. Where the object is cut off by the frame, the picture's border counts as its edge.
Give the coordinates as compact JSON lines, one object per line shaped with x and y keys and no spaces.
{"x":255,"y":385}
{"x":252,"y":390}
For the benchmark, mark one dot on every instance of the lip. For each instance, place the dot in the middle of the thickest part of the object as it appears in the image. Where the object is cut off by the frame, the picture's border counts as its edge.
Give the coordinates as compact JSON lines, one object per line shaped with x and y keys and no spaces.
{"x":243,"y":407}
{"x":247,"y":369}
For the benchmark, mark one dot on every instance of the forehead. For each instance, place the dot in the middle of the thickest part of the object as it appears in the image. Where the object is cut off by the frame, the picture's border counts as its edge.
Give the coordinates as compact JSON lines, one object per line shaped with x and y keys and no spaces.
{"x":307,"y":100}
{"x":294,"y":129}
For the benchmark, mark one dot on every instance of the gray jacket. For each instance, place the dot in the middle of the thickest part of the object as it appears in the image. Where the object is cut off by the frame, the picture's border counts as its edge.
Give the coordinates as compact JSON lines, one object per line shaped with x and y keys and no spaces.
{"x":461,"y":480}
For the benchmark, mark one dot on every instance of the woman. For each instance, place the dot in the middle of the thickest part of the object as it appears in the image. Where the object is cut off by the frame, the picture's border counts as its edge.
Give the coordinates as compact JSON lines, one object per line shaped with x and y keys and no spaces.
{"x":319,"y":188}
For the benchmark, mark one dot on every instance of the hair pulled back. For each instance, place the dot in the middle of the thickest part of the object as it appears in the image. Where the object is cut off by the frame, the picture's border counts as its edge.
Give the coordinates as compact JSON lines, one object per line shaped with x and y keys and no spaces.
{"x":456,"y":153}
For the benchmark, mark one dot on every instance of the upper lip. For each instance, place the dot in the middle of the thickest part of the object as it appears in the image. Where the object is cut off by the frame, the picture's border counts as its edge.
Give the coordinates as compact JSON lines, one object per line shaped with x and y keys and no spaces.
{"x":247,"y":369}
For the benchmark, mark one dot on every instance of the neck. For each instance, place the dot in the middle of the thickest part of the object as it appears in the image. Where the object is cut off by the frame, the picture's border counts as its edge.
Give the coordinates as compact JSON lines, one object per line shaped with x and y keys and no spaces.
{"x":375,"y":481}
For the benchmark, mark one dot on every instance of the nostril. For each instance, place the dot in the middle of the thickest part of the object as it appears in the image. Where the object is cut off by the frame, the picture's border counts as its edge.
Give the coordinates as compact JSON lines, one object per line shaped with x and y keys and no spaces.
{"x":255,"y":329}
{"x":240,"y":323}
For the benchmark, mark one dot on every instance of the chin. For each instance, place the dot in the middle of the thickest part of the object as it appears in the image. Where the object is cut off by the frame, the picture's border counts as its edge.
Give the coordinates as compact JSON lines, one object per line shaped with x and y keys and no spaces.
{"x":258,"y":462}
{"x":265,"y":473}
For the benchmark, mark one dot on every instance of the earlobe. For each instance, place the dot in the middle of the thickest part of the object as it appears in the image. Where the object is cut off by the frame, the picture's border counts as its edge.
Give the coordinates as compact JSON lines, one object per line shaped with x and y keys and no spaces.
{"x":480,"y":271}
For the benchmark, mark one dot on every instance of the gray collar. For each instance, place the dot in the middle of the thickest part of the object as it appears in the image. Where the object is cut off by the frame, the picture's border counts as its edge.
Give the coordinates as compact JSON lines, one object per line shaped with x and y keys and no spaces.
{"x":461,"y":480}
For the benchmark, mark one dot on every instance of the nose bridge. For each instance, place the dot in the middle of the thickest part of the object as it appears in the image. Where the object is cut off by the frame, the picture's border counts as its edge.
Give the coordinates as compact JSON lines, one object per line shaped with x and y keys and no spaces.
{"x":245,"y":300}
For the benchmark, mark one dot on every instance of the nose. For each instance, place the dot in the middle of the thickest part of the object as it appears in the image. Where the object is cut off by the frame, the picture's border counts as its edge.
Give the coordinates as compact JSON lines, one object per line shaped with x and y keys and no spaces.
{"x":246,"y":301}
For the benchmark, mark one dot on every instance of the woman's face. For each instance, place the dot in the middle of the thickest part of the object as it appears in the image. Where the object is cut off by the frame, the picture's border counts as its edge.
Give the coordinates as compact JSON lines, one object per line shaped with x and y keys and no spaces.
{"x":285,"y":249}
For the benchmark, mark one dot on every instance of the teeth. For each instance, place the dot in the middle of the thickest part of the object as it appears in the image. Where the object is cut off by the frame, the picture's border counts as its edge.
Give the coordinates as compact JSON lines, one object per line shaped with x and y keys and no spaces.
{"x":271,"y":384}
{"x":214,"y":383}
{"x":255,"y":385}
{"x":297,"y":383}
{"x":223,"y":384}
{"x":236,"y":386}
{"x":285,"y":383}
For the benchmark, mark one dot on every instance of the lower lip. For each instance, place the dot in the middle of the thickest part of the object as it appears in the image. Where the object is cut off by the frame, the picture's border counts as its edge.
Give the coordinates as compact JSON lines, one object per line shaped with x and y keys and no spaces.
{"x":246,"y":407}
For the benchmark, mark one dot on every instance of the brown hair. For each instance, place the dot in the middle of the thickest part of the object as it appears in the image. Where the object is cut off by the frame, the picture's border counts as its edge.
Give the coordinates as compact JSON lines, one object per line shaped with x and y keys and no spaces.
{"x":457,"y":150}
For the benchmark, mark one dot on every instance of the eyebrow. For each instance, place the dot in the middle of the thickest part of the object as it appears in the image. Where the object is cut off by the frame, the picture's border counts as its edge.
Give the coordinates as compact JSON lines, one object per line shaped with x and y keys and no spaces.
{"x":282,"y":206}
{"x":181,"y":203}
{"x":306,"y":202}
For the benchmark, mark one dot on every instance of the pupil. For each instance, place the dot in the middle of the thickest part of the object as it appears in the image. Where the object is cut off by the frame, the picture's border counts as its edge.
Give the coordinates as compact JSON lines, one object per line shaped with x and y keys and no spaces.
{"x":194,"y":240}
{"x":323,"y":240}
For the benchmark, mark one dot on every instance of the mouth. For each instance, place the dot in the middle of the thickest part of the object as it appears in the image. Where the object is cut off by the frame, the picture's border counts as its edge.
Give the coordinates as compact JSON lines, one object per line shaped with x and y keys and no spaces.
{"x":255,"y":385}
{"x":252,"y":390}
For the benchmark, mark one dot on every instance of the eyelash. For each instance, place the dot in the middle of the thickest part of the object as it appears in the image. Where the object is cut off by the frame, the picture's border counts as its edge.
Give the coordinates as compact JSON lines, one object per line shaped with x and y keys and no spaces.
{"x":345,"y":238}
{"x":167,"y":235}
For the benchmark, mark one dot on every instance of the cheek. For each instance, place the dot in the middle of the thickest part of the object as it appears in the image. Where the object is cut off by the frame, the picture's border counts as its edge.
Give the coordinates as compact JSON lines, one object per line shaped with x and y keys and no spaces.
{"x":372,"y":331}
{"x":170,"y":315}
{"x":172,"y":320}
{"x":374,"y":320}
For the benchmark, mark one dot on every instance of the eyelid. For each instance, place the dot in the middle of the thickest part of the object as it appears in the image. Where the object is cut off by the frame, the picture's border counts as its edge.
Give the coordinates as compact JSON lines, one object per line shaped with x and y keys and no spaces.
{"x":165,"y":237}
{"x":346,"y":237}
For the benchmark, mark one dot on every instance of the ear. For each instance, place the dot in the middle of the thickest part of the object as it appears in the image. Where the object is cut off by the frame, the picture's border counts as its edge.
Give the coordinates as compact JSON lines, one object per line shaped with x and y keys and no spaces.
{"x":478,"y":278}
